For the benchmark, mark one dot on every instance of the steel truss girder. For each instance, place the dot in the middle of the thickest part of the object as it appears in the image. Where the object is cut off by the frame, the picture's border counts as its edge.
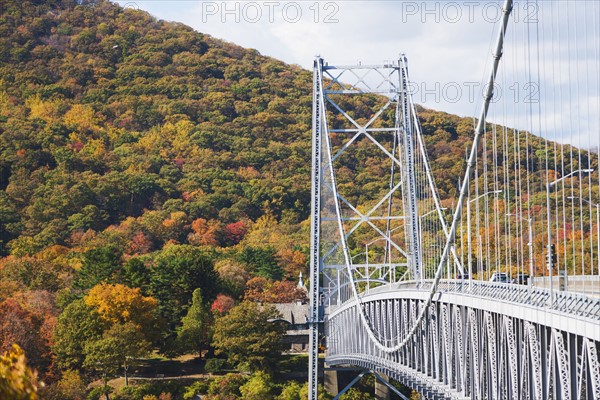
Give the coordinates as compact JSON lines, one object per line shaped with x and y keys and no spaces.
{"x":483,"y":355}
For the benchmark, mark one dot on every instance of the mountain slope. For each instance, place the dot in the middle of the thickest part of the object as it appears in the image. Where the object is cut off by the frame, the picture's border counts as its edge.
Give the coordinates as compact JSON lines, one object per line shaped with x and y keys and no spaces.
{"x":107,"y":114}
{"x":110,"y":111}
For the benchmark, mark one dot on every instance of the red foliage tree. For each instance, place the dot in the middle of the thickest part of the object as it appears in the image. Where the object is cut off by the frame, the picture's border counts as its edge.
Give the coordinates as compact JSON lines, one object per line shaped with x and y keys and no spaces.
{"x":19,"y":326}
{"x":235,"y":232}
{"x":140,"y":244}
{"x":222,"y":304}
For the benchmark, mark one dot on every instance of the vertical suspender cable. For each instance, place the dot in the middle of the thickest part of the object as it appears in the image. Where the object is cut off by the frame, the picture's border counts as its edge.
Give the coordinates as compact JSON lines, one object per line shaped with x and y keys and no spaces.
{"x":507,"y":9}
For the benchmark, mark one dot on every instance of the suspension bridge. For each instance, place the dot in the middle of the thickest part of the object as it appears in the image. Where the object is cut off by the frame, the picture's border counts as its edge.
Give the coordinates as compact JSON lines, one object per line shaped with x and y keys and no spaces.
{"x":488,"y":294}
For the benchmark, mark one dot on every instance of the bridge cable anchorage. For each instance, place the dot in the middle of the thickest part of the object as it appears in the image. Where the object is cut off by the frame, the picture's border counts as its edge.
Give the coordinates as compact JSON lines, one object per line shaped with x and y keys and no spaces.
{"x":463,"y":192}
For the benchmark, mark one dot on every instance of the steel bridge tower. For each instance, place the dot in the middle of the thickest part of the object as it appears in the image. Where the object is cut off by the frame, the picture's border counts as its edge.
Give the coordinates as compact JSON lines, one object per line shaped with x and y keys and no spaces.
{"x":344,"y":221}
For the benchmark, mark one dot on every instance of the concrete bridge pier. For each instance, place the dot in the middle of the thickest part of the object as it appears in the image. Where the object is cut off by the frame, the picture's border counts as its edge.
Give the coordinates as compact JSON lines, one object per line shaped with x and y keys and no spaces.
{"x":339,"y":380}
{"x":331,"y":381}
{"x":382,"y":392}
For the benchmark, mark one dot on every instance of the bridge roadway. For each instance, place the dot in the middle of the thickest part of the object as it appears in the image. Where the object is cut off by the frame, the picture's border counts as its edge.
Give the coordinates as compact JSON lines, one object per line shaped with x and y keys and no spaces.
{"x":478,"y":340}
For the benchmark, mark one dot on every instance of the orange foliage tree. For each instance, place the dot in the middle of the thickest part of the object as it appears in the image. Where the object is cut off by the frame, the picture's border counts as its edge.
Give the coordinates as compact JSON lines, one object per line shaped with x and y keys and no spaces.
{"x":263,"y":290}
{"x":206,"y":233}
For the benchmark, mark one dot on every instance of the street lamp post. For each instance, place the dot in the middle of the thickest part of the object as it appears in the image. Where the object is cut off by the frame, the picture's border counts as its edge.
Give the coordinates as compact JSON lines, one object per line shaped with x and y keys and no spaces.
{"x":352,"y":259}
{"x":469,"y":243}
{"x":597,"y":222}
{"x":530,"y":245}
{"x":421,"y":225}
{"x":387,"y":238}
{"x":367,"y":259}
{"x":549,"y":262}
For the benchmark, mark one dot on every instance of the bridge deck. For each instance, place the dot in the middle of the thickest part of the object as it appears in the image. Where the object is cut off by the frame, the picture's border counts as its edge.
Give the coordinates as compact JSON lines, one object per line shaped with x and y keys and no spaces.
{"x":478,"y":339}
{"x":576,"y":313}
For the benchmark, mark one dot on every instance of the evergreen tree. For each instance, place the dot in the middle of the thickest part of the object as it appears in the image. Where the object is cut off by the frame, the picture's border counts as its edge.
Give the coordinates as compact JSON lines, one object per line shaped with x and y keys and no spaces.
{"x":248,"y":336}
{"x":193,"y":335}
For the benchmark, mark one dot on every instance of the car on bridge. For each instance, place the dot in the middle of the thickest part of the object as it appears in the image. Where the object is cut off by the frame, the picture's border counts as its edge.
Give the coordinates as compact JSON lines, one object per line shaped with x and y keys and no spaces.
{"x":522,"y":278}
{"x":500,"y":277}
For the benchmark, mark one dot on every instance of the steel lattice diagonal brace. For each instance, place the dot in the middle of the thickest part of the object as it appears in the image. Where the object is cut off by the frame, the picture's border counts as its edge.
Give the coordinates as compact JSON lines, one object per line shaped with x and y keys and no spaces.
{"x":352,"y":383}
{"x":389,"y":385}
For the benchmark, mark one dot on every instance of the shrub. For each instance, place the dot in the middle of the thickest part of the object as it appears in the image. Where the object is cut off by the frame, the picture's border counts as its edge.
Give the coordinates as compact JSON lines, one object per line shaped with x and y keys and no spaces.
{"x":228,"y":385}
{"x":97,"y":393}
{"x":198,"y":387}
{"x":214,"y":365}
{"x":156,"y":389}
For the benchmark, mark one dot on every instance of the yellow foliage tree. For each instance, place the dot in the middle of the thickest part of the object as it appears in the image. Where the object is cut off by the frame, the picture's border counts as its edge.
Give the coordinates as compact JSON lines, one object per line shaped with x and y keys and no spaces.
{"x":17,"y":380}
{"x":119,"y":304}
{"x":47,"y":110}
{"x":265,"y":231}
{"x":82,"y":117}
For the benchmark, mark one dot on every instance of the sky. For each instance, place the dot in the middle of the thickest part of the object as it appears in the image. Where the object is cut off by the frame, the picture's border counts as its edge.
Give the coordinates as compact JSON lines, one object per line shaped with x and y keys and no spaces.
{"x":549,"y":78}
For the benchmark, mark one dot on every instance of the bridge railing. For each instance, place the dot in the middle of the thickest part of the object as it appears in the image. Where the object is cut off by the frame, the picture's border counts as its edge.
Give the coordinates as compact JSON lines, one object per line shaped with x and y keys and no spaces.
{"x":574,"y":304}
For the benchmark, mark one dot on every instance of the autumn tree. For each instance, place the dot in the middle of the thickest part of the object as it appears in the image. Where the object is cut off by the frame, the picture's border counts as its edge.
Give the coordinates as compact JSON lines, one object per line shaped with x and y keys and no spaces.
{"x":119,"y":304}
{"x":263,"y":290}
{"x":293,"y":261}
{"x":17,"y":380}
{"x":22,"y":327}
{"x":233,"y":274}
{"x":71,"y":386}
{"x":40,"y":305}
{"x":285,"y":292}
{"x":235,"y":232}
{"x":247,"y":336}
{"x":205,"y":232}
{"x":255,"y":288}
{"x":106,"y":330}
{"x":222,"y":304}
{"x":139,"y":244}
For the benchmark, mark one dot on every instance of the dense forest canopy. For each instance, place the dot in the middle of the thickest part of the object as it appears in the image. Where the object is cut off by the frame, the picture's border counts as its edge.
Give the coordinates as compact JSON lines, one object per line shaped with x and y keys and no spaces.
{"x":148,"y":165}
{"x":108,"y":115}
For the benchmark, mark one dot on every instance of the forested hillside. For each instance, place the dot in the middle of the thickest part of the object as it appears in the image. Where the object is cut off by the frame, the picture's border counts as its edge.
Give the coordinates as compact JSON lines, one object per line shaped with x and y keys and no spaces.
{"x":108,"y":115}
{"x":140,"y":161}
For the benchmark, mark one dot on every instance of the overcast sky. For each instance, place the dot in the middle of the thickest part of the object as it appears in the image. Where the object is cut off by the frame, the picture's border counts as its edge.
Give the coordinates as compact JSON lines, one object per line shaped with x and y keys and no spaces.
{"x":448,"y":45}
